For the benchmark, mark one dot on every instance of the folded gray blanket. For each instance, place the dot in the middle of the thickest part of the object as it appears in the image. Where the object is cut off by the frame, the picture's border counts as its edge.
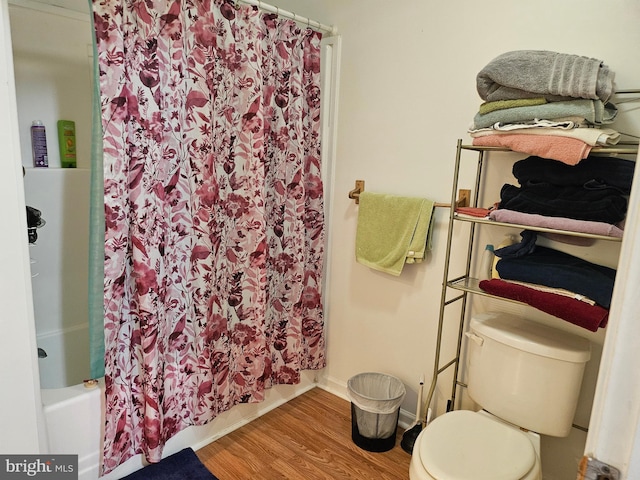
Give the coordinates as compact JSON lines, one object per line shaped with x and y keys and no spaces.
{"x":535,"y":73}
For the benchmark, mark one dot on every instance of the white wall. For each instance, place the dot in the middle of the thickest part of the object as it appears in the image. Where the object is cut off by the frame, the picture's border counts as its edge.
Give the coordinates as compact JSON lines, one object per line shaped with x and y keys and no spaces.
{"x":407,"y":94}
{"x":20,"y":414}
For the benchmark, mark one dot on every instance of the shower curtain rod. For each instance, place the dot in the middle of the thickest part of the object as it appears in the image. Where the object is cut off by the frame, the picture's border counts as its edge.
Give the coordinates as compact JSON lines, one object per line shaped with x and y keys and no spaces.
{"x":330,"y":29}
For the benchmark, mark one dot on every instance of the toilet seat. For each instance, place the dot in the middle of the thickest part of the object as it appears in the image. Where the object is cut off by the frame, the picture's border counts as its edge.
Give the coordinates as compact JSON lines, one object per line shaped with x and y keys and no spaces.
{"x":465,"y":445}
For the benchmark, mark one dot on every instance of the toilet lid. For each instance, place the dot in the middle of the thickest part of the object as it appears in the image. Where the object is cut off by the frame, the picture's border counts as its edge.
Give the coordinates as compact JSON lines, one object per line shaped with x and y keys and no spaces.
{"x":464,"y":445}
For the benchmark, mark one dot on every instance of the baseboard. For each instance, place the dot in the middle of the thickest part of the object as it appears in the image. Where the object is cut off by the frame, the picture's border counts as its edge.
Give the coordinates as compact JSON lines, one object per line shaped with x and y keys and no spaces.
{"x":339,"y":388}
{"x":331,"y":385}
{"x":406,"y":419}
{"x":226,"y":422}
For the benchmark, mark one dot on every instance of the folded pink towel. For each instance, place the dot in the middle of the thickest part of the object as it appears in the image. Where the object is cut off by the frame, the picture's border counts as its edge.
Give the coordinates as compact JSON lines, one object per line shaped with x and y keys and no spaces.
{"x":563,"y":149}
{"x":473,"y":211}
{"x":573,"y":311}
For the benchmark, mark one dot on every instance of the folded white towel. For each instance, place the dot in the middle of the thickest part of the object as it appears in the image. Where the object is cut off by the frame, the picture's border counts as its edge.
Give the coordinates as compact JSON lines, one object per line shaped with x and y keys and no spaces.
{"x":590,"y":136}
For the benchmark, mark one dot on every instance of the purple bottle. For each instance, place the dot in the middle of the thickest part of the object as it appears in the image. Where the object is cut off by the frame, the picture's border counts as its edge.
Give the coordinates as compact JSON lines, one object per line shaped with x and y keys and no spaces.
{"x":39,"y":144}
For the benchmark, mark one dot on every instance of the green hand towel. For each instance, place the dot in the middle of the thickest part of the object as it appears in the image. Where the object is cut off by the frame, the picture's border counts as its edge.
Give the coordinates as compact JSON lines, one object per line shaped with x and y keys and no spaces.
{"x":392,"y":231}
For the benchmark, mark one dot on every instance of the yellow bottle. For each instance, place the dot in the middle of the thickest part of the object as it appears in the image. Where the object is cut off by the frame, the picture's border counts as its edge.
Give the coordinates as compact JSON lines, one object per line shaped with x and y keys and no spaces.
{"x":67,"y":143}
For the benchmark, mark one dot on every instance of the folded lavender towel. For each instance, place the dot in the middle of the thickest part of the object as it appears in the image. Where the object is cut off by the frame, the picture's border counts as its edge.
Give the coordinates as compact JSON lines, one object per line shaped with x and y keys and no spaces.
{"x":569,"y":224}
{"x":535,"y":73}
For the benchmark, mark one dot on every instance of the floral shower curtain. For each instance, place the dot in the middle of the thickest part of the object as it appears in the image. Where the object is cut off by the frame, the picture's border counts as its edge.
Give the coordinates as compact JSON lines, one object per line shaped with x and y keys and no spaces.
{"x":213,"y":212}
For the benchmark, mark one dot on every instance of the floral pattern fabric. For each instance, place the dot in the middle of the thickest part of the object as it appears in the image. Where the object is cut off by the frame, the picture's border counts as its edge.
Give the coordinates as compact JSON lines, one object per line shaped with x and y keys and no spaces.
{"x":213,"y":213}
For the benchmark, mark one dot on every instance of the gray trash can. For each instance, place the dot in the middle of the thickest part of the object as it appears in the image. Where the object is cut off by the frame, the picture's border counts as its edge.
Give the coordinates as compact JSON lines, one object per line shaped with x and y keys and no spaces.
{"x":375,"y":408}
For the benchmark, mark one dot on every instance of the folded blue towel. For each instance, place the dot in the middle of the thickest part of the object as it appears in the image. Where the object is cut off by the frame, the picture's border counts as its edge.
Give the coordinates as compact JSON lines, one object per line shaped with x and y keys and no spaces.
{"x":592,"y":173}
{"x":546,"y":266}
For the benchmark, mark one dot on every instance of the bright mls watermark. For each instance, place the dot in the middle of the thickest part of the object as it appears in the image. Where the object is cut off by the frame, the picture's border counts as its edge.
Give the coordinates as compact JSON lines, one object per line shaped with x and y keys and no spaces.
{"x":49,"y":467}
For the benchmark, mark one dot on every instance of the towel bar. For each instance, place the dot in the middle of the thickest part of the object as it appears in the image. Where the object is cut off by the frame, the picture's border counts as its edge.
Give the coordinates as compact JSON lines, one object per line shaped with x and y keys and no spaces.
{"x":464,"y":196}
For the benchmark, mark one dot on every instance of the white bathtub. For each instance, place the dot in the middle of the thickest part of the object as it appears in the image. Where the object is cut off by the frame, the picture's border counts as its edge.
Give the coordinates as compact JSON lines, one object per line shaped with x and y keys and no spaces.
{"x":73,"y":417}
{"x":73,"y":414}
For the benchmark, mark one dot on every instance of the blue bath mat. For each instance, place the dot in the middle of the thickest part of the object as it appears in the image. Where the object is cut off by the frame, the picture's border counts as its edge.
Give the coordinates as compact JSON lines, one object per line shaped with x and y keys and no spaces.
{"x":184,"y":465}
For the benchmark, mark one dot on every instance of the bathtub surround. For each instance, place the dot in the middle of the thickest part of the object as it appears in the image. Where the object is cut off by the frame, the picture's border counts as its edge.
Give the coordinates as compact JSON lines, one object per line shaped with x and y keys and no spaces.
{"x":213,"y":214}
{"x":58,"y":268}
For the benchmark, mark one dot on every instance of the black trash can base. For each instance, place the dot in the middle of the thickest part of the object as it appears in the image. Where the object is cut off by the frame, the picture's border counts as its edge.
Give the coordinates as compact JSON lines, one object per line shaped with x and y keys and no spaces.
{"x":371,"y":444}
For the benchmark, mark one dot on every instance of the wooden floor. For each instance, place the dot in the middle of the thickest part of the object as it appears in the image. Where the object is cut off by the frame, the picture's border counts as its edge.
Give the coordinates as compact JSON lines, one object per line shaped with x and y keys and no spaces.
{"x":307,"y":438}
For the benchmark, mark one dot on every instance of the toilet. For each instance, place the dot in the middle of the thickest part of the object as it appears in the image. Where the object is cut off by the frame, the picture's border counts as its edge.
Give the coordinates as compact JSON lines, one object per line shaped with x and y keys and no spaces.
{"x":526,"y":377}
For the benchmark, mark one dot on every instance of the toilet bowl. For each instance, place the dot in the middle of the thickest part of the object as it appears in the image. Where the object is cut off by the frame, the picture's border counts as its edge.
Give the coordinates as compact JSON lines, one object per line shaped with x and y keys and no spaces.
{"x":466,"y":445}
{"x":528,"y":375}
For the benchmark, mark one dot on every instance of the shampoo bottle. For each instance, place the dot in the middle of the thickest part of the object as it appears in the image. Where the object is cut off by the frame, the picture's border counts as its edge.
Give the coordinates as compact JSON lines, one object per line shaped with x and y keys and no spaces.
{"x":39,"y":144}
{"x":67,"y":143}
{"x":486,"y":263}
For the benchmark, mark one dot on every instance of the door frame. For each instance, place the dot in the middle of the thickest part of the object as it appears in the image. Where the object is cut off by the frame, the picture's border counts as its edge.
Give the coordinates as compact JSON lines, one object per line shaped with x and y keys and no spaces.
{"x":614,"y":429}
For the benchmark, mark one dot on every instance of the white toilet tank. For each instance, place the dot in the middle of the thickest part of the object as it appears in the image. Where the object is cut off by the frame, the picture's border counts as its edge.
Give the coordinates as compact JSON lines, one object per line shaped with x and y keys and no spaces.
{"x":526,"y":373}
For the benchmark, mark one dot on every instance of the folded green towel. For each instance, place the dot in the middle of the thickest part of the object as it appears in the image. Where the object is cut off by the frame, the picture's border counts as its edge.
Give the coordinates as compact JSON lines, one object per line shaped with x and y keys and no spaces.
{"x":392,"y":231}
